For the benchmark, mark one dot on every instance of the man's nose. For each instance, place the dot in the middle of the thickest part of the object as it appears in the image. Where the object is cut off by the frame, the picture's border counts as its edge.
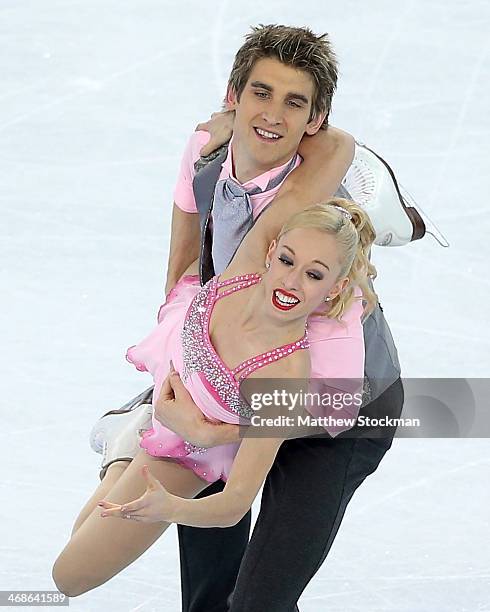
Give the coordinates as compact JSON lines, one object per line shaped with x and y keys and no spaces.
{"x":273,"y":114}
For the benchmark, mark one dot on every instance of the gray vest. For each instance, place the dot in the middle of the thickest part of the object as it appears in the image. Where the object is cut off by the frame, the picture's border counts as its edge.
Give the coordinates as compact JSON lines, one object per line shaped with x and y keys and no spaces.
{"x":382,"y":367}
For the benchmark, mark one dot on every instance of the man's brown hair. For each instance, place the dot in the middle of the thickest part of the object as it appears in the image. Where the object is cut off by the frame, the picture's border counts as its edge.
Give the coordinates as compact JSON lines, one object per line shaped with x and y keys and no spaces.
{"x":299,"y":48}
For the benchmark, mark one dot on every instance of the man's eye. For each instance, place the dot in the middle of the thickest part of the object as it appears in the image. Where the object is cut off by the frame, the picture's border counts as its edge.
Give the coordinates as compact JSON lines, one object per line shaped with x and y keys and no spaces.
{"x":294,"y":104}
{"x":285,"y":261}
{"x":261,"y":94}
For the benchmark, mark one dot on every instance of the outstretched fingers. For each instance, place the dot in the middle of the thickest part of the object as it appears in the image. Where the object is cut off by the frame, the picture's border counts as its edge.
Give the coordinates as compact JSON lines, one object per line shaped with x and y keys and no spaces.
{"x":125,"y":511}
{"x":131,"y":510}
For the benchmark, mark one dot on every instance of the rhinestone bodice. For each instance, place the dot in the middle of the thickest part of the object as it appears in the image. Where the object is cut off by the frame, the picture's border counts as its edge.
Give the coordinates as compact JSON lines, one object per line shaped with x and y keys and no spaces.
{"x":199,"y":354}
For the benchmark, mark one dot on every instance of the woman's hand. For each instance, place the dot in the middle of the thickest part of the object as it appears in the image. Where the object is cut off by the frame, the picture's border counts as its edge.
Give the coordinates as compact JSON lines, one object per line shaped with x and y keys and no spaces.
{"x":220,"y":126}
{"x":155,"y":505}
{"x":176,"y":410}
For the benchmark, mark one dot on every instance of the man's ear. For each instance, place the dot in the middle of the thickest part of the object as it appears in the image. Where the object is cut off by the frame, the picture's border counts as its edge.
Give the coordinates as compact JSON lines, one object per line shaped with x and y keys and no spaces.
{"x":231,"y":99}
{"x":315,"y":124}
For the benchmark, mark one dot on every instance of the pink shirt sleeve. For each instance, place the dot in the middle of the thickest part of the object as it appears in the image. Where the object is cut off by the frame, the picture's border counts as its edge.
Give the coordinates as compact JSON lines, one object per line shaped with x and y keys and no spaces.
{"x":337,"y":363}
{"x":183,"y":193}
{"x":337,"y":348}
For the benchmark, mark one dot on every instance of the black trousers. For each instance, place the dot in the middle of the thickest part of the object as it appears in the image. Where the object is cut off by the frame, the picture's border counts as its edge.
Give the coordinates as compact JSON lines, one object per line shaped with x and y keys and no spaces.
{"x":303,"y":502}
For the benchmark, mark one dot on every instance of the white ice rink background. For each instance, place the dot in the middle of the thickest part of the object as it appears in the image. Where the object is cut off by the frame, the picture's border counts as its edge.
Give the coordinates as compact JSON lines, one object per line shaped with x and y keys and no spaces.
{"x":97,"y":99}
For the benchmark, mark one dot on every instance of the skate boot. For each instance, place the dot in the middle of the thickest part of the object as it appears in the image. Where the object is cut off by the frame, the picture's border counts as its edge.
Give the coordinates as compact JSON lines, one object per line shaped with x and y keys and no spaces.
{"x":115,"y":420}
{"x":116,"y":435}
{"x":122,"y":443}
{"x":396,"y":217}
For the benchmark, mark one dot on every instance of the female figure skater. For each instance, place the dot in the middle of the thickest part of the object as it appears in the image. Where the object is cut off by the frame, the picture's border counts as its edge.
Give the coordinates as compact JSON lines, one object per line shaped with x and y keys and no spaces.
{"x":241,"y":324}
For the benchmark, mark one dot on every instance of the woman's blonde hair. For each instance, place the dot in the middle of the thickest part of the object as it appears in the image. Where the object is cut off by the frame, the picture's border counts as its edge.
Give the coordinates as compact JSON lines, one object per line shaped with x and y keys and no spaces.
{"x":354,"y":237}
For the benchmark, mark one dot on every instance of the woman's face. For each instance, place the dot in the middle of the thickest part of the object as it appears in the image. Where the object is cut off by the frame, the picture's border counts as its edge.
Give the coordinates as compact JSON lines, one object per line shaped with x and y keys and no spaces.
{"x":304,"y":267}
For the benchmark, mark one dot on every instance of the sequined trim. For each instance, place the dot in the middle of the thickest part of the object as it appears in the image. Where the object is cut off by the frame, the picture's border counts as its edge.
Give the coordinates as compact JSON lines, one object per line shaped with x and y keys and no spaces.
{"x":192,"y":448}
{"x":250,"y":365}
{"x":199,"y":354}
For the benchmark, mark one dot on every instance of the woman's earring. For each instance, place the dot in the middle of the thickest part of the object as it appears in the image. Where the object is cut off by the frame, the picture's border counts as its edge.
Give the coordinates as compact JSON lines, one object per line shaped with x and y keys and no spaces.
{"x":328,"y":299}
{"x":267,"y":264}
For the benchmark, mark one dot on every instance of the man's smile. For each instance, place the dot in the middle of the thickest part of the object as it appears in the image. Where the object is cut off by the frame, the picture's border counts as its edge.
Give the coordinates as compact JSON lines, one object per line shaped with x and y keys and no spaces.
{"x":266,"y":135}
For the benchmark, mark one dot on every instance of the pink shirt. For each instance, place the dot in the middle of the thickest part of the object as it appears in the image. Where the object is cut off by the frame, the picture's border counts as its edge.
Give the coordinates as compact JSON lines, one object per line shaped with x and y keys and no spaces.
{"x":184,"y":194}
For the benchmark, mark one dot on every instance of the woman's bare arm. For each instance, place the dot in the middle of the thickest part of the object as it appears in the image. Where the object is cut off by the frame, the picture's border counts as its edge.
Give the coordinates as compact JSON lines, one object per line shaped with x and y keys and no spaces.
{"x":255,"y":455}
{"x":328,"y":156}
{"x":250,"y":468}
{"x":252,"y":463}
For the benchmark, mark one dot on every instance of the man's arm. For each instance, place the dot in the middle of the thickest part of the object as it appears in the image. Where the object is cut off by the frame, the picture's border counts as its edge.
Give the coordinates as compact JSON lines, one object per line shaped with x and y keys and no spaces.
{"x":176,"y":410}
{"x":185,"y":236}
{"x":184,"y":245}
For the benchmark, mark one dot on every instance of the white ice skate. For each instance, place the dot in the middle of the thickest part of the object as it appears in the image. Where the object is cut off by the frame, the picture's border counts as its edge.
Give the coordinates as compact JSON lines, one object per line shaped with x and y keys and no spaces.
{"x":396,"y":217}
{"x":115,"y":420}
{"x":123,"y":442}
{"x":116,"y":435}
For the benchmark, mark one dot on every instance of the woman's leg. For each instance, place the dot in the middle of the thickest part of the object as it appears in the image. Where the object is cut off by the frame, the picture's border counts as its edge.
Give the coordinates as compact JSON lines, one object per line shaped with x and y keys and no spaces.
{"x":101,"y":547}
{"x":112,"y":475}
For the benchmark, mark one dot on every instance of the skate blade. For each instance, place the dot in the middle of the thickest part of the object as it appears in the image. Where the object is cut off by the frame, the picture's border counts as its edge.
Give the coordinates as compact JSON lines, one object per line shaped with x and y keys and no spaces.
{"x":430,"y":227}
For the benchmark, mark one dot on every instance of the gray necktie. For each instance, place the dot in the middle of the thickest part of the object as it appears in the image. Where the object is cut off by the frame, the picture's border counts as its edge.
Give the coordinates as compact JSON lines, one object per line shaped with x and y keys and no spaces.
{"x":232,"y":215}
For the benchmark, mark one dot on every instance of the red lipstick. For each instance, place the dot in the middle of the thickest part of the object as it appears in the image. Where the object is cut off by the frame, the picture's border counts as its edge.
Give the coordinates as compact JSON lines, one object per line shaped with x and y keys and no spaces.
{"x":282,"y":305}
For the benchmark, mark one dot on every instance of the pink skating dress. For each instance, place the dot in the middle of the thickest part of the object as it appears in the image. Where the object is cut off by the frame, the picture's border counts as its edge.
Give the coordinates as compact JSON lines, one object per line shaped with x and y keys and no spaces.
{"x":182,"y":336}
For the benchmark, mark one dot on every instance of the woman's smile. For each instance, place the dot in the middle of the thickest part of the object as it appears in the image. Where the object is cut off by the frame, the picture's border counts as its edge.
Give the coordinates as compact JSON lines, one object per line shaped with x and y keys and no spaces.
{"x":283,"y":300}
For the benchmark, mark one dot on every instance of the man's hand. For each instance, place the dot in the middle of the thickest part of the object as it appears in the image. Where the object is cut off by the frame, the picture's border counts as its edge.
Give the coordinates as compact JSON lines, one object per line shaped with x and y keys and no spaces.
{"x":220,"y":126}
{"x":176,"y":410}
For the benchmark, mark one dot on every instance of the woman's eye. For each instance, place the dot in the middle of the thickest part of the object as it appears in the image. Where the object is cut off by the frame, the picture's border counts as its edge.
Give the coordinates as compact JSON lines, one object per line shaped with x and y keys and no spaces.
{"x":314,"y":275}
{"x":285,"y":261}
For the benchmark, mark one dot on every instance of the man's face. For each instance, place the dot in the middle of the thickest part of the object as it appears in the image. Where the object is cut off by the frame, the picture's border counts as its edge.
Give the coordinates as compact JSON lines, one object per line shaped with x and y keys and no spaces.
{"x":272,"y":114}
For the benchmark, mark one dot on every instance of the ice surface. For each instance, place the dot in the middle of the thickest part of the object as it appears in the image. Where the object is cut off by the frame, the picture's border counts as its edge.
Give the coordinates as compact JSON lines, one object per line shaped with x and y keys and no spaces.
{"x":96,"y":102}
